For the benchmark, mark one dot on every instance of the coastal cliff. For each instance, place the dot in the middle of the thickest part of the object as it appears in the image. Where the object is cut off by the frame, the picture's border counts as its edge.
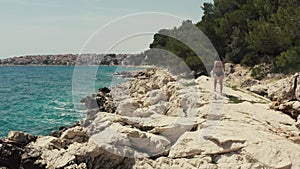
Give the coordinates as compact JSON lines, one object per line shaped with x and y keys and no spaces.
{"x":157,"y":120}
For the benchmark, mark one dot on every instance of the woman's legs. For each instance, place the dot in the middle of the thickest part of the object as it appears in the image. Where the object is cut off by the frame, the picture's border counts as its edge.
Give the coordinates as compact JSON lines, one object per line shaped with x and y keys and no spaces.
{"x":215,"y":82}
{"x":220,"y":79}
{"x":221,"y":84}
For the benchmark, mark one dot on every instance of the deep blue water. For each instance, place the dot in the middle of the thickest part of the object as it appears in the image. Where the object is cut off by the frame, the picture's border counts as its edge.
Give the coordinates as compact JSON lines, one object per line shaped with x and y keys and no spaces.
{"x":39,"y":99}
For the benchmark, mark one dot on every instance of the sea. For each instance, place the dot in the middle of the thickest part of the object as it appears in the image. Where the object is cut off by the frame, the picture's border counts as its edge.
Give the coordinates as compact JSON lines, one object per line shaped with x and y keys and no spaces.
{"x":40,"y":99}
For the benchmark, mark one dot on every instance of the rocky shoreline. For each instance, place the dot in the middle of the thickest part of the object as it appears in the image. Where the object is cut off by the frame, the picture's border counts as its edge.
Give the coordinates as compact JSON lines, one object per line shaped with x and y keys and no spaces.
{"x":157,"y":120}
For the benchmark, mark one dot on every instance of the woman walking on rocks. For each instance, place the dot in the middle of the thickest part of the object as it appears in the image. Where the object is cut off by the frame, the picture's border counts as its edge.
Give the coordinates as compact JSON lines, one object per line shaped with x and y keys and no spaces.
{"x":218,"y":74}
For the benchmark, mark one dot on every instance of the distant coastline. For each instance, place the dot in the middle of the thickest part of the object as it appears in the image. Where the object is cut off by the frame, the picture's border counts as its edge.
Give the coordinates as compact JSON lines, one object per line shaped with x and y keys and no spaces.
{"x":65,"y":60}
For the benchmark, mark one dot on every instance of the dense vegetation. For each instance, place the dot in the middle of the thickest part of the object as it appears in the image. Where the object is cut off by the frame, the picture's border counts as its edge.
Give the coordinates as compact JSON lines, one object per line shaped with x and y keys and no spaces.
{"x":249,"y":32}
{"x":188,"y":43}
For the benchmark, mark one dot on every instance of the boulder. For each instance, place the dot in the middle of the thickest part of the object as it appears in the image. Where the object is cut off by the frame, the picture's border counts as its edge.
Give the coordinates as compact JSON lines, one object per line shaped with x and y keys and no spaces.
{"x":159,"y":108}
{"x":229,"y":68}
{"x":10,"y":155}
{"x":101,"y":101}
{"x":77,"y":166}
{"x":57,"y":158}
{"x":104,"y":90}
{"x":128,"y":107}
{"x":90,"y":102}
{"x":187,"y":146}
{"x":46,"y":153}
{"x":249,"y":82}
{"x":291,"y":108}
{"x":58,"y":133}
{"x":285,"y":94}
{"x":126,"y":140}
{"x":259,"y":89}
{"x":276,"y":158}
{"x":284,"y":89}
{"x":20,"y":137}
{"x":156,"y":96}
{"x":75,"y":134}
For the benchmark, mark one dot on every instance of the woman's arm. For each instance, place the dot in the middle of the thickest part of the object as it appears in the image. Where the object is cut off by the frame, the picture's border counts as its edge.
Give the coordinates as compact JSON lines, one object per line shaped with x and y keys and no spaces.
{"x":223,"y":64}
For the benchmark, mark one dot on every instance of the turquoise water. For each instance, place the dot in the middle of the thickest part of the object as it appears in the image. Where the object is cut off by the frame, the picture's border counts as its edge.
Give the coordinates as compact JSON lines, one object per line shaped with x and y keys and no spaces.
{"x":39,"y":99}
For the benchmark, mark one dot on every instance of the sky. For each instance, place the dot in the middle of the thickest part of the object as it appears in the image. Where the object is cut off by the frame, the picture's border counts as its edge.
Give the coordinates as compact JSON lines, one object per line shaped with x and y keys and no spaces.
{"x":35,"y":27}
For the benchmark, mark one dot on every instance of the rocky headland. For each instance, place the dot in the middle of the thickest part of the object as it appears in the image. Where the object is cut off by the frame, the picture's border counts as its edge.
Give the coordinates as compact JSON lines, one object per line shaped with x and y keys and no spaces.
{"x":66,"y":59}
{"x":157,"y":120}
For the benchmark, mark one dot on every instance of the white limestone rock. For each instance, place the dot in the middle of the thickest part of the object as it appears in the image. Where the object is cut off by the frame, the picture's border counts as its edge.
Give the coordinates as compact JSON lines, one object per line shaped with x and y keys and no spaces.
{"x":284,"y":89}
{"x":75,"y":134}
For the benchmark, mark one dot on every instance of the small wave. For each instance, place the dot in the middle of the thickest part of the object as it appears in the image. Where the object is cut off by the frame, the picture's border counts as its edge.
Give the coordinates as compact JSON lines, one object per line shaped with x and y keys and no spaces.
{"x":61,"y":103}
{"x":81,"y":111}
{"x":59,"y":108}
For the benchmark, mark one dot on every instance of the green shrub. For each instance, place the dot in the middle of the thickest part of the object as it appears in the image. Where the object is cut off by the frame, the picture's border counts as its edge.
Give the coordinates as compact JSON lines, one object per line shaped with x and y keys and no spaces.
{"x":288,"y":61}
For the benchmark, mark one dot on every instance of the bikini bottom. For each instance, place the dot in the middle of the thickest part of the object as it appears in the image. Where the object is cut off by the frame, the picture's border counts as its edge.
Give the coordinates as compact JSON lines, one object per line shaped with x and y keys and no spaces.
{"x":219,"y":74}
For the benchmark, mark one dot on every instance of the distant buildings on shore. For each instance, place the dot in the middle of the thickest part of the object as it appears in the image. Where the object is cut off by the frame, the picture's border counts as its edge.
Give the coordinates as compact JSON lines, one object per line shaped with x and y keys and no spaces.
{"x":66,"y":59}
